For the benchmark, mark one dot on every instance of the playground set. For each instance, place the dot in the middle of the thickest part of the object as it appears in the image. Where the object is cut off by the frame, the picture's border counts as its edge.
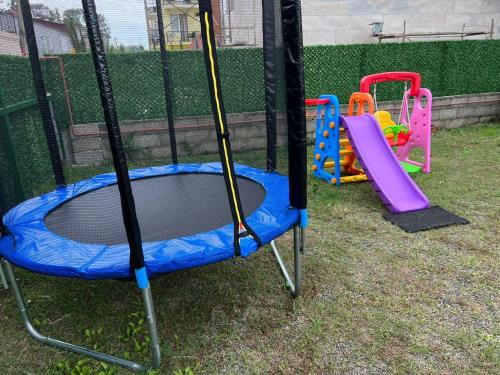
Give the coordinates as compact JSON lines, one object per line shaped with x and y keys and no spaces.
{"x":382,"y":148}
{"x":370,"y":138}
{"x":413,"y":129}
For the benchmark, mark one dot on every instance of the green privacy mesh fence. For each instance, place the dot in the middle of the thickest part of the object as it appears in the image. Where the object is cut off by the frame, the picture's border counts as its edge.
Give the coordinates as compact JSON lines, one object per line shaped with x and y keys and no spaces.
{"x":138,"y":86}
{"x":24,"y":161}
{"x":447,"y":68}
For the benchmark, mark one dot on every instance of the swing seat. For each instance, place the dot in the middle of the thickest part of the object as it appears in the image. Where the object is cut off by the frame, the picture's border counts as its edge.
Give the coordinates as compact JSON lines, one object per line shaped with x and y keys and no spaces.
{"x":403,"y":139}
{"x":385,"y":121}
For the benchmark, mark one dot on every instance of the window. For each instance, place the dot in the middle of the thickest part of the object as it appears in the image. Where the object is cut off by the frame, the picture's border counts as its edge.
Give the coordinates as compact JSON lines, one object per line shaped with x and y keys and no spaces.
{"x":8,"y":23}
{"x":179,"y":26}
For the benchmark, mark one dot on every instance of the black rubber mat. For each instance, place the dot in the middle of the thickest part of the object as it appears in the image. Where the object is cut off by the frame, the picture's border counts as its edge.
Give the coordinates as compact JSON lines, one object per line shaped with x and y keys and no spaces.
{"x":430,"y":218}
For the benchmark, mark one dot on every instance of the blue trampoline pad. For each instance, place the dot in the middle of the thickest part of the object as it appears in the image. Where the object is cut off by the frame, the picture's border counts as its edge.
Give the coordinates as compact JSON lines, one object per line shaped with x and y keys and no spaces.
{"x":183,"y":213}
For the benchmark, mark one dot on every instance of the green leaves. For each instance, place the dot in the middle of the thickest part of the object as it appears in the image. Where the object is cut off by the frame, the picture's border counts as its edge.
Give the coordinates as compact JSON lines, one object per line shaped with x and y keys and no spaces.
{"x":136,"y":337}
{"x":83,"y":367}
{"x":185,"y":371}
{"x":86,"y":366}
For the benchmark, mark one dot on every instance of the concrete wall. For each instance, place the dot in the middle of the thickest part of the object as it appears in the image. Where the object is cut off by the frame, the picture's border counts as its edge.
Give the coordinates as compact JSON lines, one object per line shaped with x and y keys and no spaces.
{"x":347,"y":21}
{"x":150,"y":139}
{"x":9,"y":44}
{"x":447,"y":111}
{"x":196,"y":135}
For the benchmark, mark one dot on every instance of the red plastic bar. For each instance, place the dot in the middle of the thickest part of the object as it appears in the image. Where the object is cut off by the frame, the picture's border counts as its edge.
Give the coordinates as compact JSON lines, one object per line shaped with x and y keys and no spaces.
{"x":312,"y":102}
{"x":371,"y":79}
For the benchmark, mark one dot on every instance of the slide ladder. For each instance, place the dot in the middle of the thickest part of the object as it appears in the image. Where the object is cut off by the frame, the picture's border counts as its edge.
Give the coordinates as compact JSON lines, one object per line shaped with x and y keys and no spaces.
{"x":332,"y":151}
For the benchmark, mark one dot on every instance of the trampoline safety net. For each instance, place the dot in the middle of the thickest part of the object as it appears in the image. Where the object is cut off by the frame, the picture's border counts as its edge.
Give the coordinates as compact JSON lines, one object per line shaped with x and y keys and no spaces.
{"x":162,"y":134}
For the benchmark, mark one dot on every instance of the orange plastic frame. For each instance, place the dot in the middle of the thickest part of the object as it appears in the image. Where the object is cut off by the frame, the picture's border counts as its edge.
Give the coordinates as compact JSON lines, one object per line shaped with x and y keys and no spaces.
{"x":361,"y":99}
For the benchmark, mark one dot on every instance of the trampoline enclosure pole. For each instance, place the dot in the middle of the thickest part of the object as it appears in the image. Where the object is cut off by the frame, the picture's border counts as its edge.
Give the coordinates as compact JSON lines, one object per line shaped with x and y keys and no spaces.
{"x":119,"y":158}
{"x":240,"y":226}
{"x":295,"y":99}
{"x":41,"y":94}
{"x":270,"y":78}
{"x":166,"y":82}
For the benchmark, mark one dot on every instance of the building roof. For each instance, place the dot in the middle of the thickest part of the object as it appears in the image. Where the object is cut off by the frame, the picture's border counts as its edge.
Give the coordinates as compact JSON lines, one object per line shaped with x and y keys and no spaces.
{"x":12,"y":12}
{"x":53,"y":25}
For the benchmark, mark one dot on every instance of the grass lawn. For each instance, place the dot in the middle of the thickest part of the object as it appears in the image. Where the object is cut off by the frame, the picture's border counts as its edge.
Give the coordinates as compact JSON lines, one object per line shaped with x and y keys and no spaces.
{"x":375,"y":299}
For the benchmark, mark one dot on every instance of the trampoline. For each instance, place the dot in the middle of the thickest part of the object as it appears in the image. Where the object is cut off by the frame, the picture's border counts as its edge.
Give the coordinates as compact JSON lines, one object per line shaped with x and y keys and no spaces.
{"x":140,"y":223}
{"x":183,"y":212}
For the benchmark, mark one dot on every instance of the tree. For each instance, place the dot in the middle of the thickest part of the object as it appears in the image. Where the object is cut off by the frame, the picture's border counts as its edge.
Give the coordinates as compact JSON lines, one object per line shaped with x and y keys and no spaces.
{"x":13,"y":4}
{"x":74,"y":21}
{"x":105,"y":30}
{"x":55,"y":16}
{"x":119,"y":48}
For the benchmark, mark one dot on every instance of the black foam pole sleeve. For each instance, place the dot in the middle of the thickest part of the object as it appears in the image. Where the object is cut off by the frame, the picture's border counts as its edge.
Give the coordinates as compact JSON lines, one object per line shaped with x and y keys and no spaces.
{"x":41,"y":94}
{"x":295,"y":101}
{"x":219,"y":113}
{"x":166,"y":82}
{"x":119,"y":158}
{"x":270,"y":78}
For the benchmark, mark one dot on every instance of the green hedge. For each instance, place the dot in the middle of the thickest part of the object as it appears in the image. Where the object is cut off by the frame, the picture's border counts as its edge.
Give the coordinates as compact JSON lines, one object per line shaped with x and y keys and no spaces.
{"x":34,"y":167}
{"x":447,"y":68}
{"x":138,"y":84}
{"x":26,"y":135}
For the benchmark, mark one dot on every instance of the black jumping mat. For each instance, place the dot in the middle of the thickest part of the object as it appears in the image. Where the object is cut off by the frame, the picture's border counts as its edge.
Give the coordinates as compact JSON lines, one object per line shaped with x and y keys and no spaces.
{"x":430,"y":218}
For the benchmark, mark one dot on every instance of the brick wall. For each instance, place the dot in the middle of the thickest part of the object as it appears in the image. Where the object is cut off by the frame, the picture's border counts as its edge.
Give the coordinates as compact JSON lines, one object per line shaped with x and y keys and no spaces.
{"x":149,"y":139}
{"x":9,"y":44}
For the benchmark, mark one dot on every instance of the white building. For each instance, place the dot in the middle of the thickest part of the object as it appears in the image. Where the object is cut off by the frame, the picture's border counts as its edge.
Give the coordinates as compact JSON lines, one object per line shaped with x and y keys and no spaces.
{"x":348,"y":21}
{"x":52,"y":37}
{"x":9,"y":34}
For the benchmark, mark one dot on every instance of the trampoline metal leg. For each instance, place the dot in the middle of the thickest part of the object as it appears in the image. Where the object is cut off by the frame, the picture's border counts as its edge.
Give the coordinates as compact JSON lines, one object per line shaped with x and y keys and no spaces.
{"x":149,"y":310}
{"x":3,"y":278}
{"x":302,"y":240}
{"x":295,"y":284}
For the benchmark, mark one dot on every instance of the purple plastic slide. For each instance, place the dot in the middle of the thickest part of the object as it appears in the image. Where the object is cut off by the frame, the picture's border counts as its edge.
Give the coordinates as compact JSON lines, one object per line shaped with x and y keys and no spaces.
{"x":394,"y":186}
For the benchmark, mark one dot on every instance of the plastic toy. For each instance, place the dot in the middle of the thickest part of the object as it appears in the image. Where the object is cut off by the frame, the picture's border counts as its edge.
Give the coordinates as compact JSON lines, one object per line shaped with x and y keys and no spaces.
{"x":420,"y":120}
{"x":412,"y":130}
{"x":329,"y":146}
{"x":397,"y":135}
{"x":394,"y":186}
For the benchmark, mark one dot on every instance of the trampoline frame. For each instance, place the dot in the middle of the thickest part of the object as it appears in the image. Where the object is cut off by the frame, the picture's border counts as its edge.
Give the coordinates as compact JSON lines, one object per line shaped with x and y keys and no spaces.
{"x":9,"y":280}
